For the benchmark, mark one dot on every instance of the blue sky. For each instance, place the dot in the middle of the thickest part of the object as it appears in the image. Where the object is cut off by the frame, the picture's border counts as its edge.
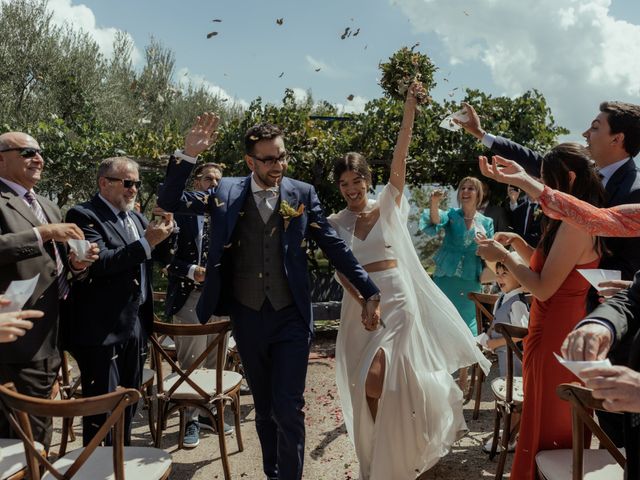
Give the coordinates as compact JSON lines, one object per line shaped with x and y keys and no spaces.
{"x":577,"y":53}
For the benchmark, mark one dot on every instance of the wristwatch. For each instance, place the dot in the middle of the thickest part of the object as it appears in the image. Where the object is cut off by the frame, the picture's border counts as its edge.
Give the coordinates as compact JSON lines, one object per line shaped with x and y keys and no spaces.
{"x":374,"y":298}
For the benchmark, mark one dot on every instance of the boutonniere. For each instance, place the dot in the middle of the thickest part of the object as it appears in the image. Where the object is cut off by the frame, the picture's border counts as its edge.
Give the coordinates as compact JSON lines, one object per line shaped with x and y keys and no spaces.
{"x":288,"y":213}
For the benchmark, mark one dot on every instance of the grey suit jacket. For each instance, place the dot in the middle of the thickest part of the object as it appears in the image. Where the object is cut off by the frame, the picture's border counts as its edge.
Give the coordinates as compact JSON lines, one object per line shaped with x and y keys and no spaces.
{"x":21,"y":259}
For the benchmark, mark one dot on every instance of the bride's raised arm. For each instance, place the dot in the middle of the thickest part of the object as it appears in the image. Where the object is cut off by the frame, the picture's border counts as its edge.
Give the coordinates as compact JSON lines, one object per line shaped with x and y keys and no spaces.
{"x":399,"y":162}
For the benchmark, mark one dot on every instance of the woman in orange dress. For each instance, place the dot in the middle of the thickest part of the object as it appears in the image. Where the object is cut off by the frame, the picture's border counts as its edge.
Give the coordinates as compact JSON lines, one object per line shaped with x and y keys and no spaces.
{"x":550,"y":273}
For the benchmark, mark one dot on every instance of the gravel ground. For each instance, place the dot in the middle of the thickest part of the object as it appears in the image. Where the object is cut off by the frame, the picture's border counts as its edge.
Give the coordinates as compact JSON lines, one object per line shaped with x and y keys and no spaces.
{"x":329,"y":453}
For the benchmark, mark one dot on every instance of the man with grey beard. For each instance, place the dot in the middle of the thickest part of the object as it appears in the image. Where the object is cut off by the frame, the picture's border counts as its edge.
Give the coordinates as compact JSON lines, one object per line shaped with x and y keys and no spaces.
{"x":113,"y":304}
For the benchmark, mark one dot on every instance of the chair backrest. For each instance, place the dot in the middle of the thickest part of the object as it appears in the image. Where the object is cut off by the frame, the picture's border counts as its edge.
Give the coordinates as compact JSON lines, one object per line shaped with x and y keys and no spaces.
{"x":484,"y":303}
{"x":514,"y":347}
{"x":113,"y":404}
{"x":216,"y":330}
{"x":582,"y":403}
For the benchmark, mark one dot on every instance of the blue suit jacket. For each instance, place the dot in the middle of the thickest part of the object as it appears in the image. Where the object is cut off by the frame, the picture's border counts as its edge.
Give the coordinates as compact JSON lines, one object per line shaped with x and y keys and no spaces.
{"x":186,"y":254}
{"x":225,"y":203}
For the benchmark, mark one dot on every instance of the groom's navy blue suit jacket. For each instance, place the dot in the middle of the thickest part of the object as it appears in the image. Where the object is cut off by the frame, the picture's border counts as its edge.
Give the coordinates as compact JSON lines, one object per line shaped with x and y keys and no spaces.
{"x":225,"y":204}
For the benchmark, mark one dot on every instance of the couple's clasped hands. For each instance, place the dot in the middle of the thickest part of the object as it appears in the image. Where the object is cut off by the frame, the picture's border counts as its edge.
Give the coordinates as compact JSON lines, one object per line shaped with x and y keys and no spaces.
{"x":371,"y":315}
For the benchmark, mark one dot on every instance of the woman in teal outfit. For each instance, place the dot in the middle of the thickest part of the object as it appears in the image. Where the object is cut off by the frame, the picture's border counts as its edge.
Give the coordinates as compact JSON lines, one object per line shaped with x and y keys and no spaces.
{"x":458,"y":268}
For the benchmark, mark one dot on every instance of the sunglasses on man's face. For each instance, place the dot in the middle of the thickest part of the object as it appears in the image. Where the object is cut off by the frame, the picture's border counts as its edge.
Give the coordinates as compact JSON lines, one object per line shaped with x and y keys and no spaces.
{"x":24,"y":152}
{"x":126,"y":183}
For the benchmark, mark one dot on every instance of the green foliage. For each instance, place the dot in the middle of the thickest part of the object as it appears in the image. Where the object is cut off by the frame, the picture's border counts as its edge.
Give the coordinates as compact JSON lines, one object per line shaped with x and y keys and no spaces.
{"x":82,"y":107}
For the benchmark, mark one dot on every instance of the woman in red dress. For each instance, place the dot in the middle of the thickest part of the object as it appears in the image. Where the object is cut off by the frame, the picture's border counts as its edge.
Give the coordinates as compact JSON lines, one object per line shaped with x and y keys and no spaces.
{"x":550,"y":273}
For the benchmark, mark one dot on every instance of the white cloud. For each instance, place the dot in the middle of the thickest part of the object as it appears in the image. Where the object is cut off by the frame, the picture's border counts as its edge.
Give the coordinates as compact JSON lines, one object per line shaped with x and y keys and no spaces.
{"x":81,"y":17}
{"x":354,"y":106}
{"x":574,"y":51}
{"x":186,"y":78}
{"x":324,"y":68}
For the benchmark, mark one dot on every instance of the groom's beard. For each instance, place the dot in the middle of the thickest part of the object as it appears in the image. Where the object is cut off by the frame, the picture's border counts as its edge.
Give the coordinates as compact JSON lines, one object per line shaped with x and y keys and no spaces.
{"x":267,"y":180}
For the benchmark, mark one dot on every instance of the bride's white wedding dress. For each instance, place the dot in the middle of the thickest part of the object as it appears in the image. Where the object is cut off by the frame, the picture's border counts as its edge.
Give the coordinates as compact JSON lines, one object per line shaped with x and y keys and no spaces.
{"x":425,"y":340}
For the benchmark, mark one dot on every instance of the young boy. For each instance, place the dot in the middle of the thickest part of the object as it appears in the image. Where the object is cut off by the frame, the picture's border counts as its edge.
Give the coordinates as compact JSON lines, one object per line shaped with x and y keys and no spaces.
{"x":511,"y":308}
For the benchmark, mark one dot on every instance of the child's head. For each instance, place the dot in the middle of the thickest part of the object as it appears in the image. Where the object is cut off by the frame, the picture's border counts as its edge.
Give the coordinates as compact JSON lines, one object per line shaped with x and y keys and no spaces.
{"x":506,"y":280}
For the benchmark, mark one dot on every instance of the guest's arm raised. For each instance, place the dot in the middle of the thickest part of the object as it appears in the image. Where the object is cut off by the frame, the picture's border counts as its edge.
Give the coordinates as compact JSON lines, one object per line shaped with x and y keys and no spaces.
{"x":569,"y":248}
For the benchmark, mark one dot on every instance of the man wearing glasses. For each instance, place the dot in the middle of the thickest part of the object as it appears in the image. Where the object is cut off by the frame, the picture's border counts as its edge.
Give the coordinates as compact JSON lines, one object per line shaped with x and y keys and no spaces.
{"x":32,"y":242}
{"x":186,"y":279}
{"x":257,"y":273}
{"x":113,"y":304}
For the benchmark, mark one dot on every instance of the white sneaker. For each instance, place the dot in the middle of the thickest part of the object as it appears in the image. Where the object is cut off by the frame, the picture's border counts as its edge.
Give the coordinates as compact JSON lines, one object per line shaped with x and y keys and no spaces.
{"x":486,"y":448}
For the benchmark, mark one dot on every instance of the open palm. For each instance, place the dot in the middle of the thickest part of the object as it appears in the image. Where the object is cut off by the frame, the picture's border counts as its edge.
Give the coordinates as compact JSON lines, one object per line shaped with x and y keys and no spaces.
{"x":202,"y":135}
{"x":502,"y":170}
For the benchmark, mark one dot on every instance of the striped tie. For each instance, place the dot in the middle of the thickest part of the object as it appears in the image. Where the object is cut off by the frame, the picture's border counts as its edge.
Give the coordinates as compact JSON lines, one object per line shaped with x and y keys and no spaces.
{"x":63,"y":285}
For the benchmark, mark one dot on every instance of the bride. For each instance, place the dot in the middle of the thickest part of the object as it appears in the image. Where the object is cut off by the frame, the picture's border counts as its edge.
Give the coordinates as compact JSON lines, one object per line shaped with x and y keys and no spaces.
{"x":401,"y":406}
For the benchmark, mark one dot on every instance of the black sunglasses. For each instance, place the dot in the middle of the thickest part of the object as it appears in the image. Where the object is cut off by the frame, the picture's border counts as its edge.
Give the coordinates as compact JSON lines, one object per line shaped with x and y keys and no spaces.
{"x":126,"y":183}
{"x":25,"y":152}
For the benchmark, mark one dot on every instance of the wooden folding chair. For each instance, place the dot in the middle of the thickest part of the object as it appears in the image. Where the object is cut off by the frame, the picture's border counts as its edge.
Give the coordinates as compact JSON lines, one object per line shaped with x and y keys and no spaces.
{"x":91,"y":462}
{"x":484,"y":303}
{"x":578,"y":463}
{"x":197,"y":387}
{"x":508,"y":395}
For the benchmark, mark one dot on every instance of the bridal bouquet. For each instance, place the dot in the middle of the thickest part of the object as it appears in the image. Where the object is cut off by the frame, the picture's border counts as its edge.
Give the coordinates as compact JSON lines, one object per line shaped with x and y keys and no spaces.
{"x":403,"y":68}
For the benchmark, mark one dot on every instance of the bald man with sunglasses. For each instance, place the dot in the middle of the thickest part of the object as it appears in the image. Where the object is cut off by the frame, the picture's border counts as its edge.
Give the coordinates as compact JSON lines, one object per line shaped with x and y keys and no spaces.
{"x":32,"y":242}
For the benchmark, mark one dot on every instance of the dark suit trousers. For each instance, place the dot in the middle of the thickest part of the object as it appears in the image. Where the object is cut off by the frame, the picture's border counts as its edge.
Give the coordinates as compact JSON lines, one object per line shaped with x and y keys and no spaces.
{"x":274,"y":348}
{"x":35,"y":379}
{"x":102,"y":369}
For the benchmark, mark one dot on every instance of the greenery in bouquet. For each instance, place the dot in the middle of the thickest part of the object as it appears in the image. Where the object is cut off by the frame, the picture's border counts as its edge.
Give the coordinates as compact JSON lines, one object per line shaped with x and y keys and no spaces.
{"x":402,"y":69}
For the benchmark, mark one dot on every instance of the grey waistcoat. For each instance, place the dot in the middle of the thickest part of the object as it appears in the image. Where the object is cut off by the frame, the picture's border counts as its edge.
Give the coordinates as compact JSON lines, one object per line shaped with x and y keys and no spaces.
{"x":258,"y":266}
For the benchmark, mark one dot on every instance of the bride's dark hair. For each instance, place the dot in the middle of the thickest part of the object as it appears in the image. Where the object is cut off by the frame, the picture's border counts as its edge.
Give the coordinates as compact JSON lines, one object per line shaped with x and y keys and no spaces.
{"x":352,"y":162}
{"x":587,"y":186}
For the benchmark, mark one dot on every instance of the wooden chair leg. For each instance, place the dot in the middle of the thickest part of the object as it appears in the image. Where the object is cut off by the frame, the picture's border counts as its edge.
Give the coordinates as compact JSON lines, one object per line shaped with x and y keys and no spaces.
{"x":160,"y":425}
{"x":151,"y":405}
{"x":505,"y":437}
{"x":479,"y":381}
{"x":496,"y":433}
{"x":469,"y":393}
{"x":223,"y":443}
{"x":182,"y":429}
{"x":236,"y":415}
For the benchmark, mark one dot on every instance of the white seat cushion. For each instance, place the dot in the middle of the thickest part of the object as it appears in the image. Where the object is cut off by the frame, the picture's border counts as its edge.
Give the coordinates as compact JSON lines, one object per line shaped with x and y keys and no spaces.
{"x":598,"y":465}
{"x":206,"y":379}
{"x":12,"y":458}
{"x":499,"y":388}
{"x":139,"y":462}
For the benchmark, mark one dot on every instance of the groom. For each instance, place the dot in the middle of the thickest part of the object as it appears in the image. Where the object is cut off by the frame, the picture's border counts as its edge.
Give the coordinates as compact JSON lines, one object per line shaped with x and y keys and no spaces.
{"x":257,"y":274}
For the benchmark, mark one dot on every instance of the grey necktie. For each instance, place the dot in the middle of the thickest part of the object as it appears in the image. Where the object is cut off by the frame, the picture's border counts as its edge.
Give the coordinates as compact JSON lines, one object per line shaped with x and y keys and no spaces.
{"x":263,"y":208}
{"x":128,"y":227}
{"x":63,"y":285}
